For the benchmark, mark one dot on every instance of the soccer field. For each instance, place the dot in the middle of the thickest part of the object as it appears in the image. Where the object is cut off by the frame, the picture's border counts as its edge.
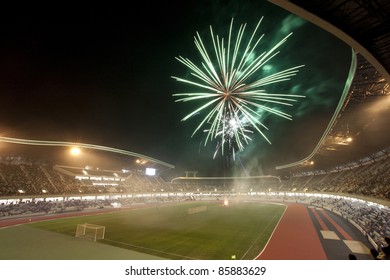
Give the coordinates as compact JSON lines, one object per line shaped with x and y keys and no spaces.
{"x":197,"y":230}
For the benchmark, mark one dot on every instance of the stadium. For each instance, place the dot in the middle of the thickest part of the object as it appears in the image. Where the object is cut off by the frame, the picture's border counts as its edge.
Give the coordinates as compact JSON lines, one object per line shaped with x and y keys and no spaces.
{"x":94,"y":199}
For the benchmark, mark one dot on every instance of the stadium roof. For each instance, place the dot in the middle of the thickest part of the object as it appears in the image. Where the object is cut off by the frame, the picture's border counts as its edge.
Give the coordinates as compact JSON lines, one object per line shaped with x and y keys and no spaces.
{"x":364,"y":25}
{"x":361,"y":126}
{"x":124,"y":158}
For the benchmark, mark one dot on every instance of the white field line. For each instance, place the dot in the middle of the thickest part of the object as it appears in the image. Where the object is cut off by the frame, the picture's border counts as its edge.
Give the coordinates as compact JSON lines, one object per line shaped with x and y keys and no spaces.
{"x":261,"y":234}
{"x":145,"y":248}
{"x":272,"y":233}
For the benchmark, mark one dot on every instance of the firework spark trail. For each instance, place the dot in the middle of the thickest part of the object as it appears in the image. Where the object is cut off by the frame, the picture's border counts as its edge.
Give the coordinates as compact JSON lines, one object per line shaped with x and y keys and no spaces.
{"x":231,"y":88}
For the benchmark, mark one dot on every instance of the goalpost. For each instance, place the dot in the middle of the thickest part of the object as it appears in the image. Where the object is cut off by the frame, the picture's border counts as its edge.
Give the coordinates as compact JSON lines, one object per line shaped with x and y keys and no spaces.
{"x":90,"y":231}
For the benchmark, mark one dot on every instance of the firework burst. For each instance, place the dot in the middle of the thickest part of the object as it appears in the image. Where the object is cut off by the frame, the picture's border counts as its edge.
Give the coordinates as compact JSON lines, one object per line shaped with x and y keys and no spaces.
{"x":231,"y":88}
{"x":232,"y":127}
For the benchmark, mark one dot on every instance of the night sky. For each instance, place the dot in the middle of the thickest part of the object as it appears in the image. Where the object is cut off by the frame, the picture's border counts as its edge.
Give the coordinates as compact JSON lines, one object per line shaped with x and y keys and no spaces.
{"x":103,"y":76}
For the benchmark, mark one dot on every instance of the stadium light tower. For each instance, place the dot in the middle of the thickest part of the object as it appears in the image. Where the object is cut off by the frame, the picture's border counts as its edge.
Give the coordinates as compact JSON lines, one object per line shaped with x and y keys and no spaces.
{"x":75,"y":151}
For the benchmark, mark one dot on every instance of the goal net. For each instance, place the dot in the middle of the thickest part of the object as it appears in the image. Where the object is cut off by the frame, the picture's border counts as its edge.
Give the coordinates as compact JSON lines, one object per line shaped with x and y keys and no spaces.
{"x":90,"y":231}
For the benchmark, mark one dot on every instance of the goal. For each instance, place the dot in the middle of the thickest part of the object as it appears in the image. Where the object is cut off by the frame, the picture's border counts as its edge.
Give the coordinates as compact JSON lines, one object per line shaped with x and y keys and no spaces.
{"x":90,"y":231}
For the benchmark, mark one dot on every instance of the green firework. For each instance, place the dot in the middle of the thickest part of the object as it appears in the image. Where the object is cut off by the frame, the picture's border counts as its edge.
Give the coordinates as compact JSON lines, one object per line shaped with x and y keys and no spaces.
{"x":230,"y":87}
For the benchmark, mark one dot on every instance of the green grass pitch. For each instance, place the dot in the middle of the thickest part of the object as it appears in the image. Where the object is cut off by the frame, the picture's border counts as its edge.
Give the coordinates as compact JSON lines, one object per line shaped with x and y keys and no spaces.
{"x":218,"y":232}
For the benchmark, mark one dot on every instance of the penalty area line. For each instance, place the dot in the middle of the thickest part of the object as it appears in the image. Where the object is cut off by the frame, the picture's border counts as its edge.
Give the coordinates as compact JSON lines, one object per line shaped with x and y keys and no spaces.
{"x":150,"y":249}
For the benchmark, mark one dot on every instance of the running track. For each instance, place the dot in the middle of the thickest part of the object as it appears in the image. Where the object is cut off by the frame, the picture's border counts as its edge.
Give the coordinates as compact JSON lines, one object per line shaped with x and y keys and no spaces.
{"x":295,"y":238}
{"x":311,"y":233}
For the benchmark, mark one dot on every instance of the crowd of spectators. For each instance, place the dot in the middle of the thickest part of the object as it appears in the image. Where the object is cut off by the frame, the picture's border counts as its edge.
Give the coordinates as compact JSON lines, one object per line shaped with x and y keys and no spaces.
{"x":31,"y":179}
{"x":373,"y":220}
{"x":42,"y":207}
{"x":57,"y":206}
{"x":371,"y":180}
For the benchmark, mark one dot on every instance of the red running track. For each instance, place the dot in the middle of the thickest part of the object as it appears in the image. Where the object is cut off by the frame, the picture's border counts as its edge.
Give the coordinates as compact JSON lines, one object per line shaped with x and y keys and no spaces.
{"x":295,"y":238}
